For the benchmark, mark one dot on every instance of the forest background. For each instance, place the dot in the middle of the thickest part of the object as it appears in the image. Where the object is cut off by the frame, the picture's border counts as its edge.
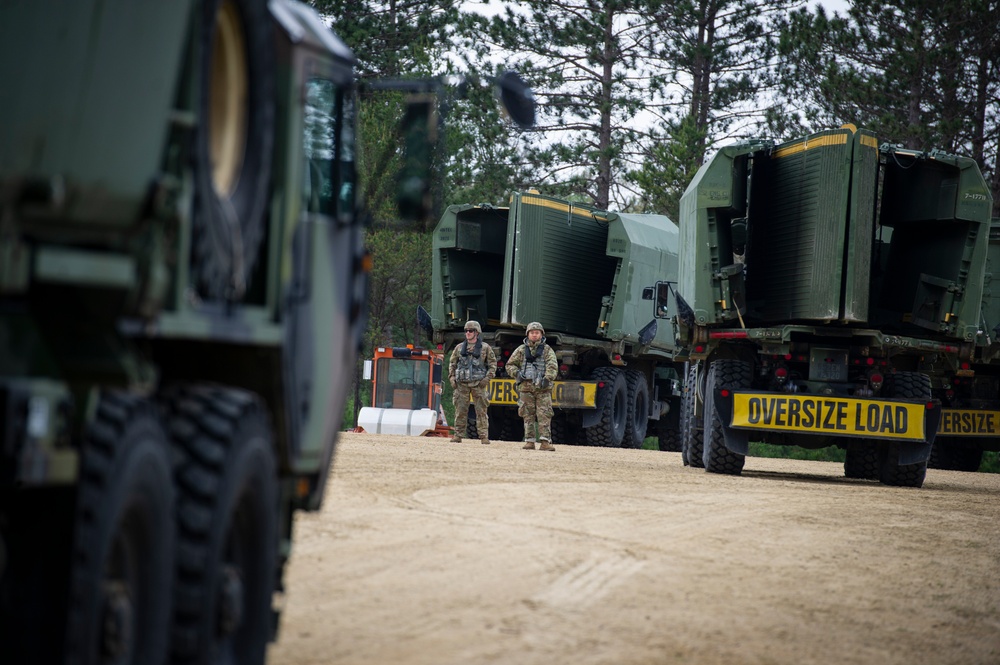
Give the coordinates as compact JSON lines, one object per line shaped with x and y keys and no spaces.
{"x":634,"y":95}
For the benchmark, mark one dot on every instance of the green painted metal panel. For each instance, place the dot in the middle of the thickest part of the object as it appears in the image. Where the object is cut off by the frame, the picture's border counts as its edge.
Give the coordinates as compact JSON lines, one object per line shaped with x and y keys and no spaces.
{"x":797,"y":222}
{"x":716,"y":195}
{"x":645,"y":247}
{"x":860,"y":227}
{"x":559,"y":271}
{"x":938,"y":207}
{"x":109,"y":67}
{"x":468,"y":266}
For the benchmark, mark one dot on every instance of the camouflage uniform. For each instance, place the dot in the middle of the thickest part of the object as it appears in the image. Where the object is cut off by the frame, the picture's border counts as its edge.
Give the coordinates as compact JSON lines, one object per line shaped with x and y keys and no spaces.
{"x":470,"y":369}
{"x":534,"y":366}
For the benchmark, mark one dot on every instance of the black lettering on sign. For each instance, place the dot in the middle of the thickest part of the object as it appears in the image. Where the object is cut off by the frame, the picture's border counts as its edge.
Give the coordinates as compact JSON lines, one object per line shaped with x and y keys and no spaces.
{"x":828,"y":410}
{"x":753,"y":410}
{"x":902,"y":419}
{"x":793,"y":413}
{"x":779,"y":412}
{"x":808,"y":413}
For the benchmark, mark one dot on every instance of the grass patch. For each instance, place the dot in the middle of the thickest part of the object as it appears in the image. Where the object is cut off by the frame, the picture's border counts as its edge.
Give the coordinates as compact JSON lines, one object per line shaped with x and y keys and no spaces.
{"x":828,"y":454}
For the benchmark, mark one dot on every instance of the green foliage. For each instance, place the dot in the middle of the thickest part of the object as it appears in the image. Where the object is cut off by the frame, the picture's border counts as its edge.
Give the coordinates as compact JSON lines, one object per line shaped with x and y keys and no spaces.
{"x":672,"y":160}
{"x":582,"y":58}
{"x":990,"y":463}
{"x":828,"y":454}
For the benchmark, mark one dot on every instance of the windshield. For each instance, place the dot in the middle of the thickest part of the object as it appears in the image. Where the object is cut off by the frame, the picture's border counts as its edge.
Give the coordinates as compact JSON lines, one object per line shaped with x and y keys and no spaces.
{"x":402,"y":384}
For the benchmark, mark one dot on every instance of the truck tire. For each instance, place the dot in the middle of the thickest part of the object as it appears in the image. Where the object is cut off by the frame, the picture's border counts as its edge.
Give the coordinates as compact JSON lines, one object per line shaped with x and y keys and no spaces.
{"x":952,"y":455}
{"x":472,"y":428}
{"x":512,"y":426}
{"x":692,"y":440}
{"x":861,"y":460}
{"x":734,"y":375}
{"x":234,"y":142}
{"x":227,"y":513}
{"x":637,"y":409}
{"x":610,"y":431}
{"x":668,"y":438}
{"x":910,"y":385}
{"x":124,"y":538}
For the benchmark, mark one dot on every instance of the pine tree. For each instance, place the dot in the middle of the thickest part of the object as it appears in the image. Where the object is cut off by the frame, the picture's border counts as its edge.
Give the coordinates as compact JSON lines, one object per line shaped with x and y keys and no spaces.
{"x":921,"y":73}
{"x":583,"y":58}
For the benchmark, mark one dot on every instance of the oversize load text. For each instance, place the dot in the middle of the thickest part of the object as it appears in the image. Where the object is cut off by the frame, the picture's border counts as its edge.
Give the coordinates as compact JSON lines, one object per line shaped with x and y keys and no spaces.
{"x":829,"y":415}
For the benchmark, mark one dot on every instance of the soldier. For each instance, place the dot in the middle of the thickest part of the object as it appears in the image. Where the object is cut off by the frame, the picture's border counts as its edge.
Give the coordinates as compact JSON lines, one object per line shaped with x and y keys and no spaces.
{"x":473,"y":363}
{"x":533,"y":365}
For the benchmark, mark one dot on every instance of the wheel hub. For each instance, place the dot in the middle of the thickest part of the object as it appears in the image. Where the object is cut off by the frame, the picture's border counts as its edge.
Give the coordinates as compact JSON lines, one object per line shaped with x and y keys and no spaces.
{"x":117,"y":628}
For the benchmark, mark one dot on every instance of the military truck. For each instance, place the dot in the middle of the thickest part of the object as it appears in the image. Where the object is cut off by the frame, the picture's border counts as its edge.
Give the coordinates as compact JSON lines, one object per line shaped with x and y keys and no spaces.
{"x":822,"y":283}
{"x":588,"y":276}
{"x":970,"y":393}
{"x":182,"y":294}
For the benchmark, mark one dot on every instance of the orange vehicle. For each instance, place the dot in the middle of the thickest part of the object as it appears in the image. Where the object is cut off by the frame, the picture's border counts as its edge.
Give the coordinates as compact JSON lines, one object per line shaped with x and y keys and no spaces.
{"x":406,"y":393}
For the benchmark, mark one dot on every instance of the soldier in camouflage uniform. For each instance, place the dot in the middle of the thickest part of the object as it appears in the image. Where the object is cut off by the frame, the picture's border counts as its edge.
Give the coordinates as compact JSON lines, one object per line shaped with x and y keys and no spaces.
{"x":534,"y":366}
{"x":473,"y":363}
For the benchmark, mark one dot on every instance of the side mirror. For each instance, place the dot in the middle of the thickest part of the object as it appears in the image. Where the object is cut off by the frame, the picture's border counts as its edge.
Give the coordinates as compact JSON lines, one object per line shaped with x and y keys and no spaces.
{"x":517,"y":99}
{"x":420,"y":134}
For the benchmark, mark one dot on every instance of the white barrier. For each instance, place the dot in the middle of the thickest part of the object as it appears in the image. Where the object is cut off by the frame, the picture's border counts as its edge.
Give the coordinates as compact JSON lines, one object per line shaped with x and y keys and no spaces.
{"x":402,"y":422}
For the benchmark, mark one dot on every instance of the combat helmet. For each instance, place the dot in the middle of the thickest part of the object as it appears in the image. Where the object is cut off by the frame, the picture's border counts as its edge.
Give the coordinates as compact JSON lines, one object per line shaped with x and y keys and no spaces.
{"x":473,"y":325}
{"x":534,"y":325}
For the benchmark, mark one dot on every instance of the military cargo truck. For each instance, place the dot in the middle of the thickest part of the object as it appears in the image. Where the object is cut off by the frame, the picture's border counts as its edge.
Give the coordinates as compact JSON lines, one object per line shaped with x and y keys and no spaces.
{"x":970,"y":393}
{"x":182,"y":294}
{"x":586,"y":276}
{"x":822,"y":282}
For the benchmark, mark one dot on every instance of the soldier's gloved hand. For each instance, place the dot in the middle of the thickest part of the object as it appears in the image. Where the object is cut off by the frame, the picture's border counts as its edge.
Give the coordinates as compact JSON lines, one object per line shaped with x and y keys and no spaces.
{"x":454,"y":383}
{"x":484,"y":384}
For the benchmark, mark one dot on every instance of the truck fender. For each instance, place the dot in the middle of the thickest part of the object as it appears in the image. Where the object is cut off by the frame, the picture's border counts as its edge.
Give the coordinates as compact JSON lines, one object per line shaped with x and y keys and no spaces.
{"x":914,"y":453}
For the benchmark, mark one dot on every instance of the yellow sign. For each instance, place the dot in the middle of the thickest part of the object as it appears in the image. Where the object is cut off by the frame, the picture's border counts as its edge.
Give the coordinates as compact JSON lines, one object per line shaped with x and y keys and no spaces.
{"x":565,"y":394}
{"x":844,"y":416}
{"x":969,"y":422}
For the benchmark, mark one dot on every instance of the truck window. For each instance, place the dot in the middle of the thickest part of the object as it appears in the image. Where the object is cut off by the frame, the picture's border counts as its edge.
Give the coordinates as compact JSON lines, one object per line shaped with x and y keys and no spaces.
{"x":328,"y":146}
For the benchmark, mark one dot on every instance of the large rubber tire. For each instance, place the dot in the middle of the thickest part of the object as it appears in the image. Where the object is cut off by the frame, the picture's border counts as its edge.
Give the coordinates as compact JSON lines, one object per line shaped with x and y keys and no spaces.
{"x":909,"y":385}
{"x":637,"y":409}
{"x":722,"y":374}
{"x":610,"y":431}
{"x":511,"y":426}
{"x":234,"y":144}
{"x":227,"y":565}
{"x":692,"y":438}
{"x":862,"y":460}
{"x":124,"y":539}
{"x":472,"y":429}
{"x":669,"y":439}
{"x":953,"y":455}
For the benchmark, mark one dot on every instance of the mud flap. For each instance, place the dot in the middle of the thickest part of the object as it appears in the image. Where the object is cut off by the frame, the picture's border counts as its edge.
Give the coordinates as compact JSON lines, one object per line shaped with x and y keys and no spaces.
{"x":915,"y":453}
{"x":592,"y":417}
{"x":736,"y":440}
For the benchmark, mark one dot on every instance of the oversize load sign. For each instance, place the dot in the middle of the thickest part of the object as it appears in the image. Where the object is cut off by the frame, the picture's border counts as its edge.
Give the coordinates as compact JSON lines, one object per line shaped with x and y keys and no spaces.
{"x":843,"y":416}
{"x":565,"y":394}
{"x":969,"y":422}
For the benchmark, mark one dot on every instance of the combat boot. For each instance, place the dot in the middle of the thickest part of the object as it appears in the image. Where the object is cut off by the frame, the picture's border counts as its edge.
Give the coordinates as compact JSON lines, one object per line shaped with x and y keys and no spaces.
{"x":529,"y":445}
{"x":456,"y":439}
{"x":485,"y":441}
{"x":545,"y":445}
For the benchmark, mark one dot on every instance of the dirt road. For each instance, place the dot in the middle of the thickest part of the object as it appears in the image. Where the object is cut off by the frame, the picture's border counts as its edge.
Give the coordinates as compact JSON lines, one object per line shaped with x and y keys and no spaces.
{"x":437,"y":553}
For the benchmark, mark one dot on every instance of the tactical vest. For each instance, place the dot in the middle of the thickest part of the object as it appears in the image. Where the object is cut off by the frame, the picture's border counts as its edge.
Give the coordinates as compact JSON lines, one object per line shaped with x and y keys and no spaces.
{"x":471,"y":366}
{"x":534,"y":365}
